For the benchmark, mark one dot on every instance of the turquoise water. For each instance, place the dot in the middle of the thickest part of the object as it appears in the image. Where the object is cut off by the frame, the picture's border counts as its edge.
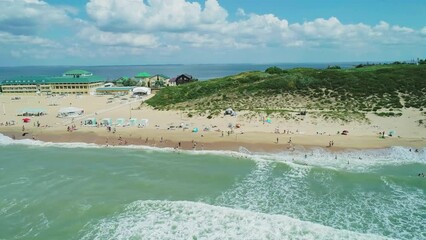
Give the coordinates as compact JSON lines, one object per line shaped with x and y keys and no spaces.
{"x":81,"y":191}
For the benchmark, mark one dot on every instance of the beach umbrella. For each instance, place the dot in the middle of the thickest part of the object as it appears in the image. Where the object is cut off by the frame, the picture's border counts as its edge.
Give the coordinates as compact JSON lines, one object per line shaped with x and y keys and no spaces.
{"x":268,"y":120}
{"x":195,"y":130}
{"x":26,"y":120}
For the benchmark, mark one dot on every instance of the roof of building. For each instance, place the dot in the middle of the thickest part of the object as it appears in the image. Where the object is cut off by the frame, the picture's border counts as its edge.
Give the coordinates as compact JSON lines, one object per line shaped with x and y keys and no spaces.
{"x":77,"y":72}
{"x":162,"y":75}
{"x":114,"y":88}
{"x":143,"y":75}
{"x":28,"y":80}
{"x":186,"y":75}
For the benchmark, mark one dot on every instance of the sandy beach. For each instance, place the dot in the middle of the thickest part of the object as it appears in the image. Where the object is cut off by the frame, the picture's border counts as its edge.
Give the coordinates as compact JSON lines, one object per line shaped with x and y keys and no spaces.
{"x":174,"y":128}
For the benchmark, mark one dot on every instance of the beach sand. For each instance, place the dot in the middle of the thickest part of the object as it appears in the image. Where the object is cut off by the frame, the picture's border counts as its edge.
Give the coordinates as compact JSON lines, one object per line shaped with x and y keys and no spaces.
{"x":254,"y":134}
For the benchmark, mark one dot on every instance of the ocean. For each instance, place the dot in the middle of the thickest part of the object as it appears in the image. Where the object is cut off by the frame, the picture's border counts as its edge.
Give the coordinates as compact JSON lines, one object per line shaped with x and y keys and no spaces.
{"x":86,"y":191}
{"x":199,"y":71}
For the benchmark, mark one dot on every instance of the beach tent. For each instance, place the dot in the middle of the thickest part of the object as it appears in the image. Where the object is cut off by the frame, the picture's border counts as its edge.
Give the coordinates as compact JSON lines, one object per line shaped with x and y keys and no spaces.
{"x":70,"y":112}
{"x":90,"y":122}
{"x":133,"y":122}
{"x":120,"y":122}
{"x":144,"y":122}
{"x":107,"y":121}
{"x":141,"y":91}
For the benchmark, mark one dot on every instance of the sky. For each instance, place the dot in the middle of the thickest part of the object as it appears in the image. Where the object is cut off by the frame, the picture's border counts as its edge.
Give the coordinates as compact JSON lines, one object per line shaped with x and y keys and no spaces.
{"x":140,"y":32}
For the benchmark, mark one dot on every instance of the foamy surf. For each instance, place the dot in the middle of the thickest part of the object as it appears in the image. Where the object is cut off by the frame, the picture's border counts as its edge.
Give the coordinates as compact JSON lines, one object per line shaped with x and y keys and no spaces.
{"x":398,"y":213}
{"x":193,"y":220}
{"x":351,"y":160}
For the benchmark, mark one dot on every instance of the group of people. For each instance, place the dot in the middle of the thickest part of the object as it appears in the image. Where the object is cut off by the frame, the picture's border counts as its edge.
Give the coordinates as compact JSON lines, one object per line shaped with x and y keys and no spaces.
{"x":71,"y":128}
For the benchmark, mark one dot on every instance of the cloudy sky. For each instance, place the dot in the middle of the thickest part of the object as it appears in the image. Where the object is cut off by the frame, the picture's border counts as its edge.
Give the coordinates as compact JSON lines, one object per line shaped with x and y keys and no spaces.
{"x":119,"y":32}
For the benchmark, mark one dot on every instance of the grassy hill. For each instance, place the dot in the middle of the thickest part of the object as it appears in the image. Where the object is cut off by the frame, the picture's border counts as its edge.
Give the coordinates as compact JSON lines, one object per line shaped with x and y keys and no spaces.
{"x":332,"y":93}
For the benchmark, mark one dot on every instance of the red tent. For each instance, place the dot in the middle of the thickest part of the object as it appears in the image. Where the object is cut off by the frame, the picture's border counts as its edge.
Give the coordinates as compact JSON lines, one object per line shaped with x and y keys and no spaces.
{"x":26,"y":120}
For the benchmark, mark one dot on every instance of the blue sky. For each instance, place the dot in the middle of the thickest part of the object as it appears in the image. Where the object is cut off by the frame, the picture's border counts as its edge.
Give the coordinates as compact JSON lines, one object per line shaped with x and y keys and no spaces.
{"x":118,"y":32}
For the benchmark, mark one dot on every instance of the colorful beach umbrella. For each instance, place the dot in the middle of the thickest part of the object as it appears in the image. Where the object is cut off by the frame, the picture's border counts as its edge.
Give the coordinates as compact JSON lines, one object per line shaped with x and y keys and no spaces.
{"x":26,"y":120}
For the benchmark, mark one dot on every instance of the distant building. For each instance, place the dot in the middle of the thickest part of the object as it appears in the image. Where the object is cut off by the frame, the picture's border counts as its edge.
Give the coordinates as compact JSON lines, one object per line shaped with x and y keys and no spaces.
{"x":152,"y":81}
{"x":158,"y":81}
{"x":183,"y":78}
{"x":71,"y":82}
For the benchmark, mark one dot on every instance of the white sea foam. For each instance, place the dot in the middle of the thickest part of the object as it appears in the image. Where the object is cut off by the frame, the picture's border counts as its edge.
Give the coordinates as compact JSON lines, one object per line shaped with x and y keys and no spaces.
{"x":192,"y":220}
{"x":396,"y":212}
{"x":351,"y":160}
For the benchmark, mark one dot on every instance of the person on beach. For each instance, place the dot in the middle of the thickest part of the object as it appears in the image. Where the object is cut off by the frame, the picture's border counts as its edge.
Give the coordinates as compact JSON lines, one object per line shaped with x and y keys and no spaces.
{"x":289,"y":141}
{"x":277,"y":140}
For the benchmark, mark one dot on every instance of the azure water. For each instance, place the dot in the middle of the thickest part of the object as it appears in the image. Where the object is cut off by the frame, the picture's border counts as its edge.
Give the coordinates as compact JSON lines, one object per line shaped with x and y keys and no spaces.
{"x":84,"y":191}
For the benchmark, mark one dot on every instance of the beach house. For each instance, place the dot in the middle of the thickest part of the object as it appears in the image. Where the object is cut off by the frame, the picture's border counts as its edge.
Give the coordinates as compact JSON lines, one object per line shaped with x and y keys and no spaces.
{"x":71,"y":82}
{"x":183,"y":78}
{"x":152,"y":81}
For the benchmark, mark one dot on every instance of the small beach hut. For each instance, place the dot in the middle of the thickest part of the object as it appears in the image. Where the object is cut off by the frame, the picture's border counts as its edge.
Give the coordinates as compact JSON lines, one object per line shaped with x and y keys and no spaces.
{"x":133,"y":122}
{"x":70,"y":112}
{"x":144,"y":122}
{"x":120,"y":122}
{"x":107,"y":121}
{"x":91,"y":122}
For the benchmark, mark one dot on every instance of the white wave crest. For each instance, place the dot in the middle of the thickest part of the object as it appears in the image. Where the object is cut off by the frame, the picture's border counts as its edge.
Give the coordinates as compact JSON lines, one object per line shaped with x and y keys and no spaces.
{"x":191,"y":220}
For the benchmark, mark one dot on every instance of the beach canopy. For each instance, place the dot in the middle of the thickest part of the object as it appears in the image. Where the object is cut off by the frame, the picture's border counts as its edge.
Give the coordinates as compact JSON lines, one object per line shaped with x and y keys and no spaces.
{"x":133,"y":121}
{"x":107,"y":121}
{"x":90,"y":122}
{"x":142,"y":90}
{"x":144,"y":122}
{"x":70,"y":112}
{"x":120,"y":121}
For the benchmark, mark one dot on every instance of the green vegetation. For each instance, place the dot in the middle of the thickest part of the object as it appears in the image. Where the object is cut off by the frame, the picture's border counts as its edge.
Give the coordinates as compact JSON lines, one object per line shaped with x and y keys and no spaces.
{"x":330,"y":93}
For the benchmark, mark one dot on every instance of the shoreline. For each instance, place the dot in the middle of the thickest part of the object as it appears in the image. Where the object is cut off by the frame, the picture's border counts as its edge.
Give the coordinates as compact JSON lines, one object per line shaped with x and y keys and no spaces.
{"x":212,"y":141}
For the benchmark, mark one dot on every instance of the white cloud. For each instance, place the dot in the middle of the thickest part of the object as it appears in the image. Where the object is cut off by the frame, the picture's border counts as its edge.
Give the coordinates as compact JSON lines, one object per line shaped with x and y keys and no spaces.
{"x":31,"y":16}
{"x":118,"y":39}
{"x":156,"y":15}
{"x":164,"y":27}
{"x":7,"y":38}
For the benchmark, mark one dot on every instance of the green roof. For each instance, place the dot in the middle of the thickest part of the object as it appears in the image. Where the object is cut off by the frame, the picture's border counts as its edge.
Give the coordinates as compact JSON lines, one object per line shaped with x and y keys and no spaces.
{"x":40,"y":80}
{"x":143,"y":75}
{"x":164,"y":76}
{"x":77,"y":72}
